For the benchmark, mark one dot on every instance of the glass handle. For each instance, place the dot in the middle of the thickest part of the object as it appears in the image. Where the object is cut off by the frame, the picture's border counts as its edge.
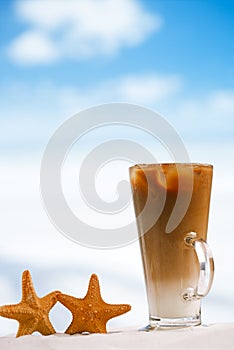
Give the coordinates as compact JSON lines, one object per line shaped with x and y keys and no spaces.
{"x":206,"y":263}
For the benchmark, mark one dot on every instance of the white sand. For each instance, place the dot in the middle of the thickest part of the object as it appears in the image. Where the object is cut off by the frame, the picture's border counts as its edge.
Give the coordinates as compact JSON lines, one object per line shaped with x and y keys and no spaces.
{"x":218,"y":336}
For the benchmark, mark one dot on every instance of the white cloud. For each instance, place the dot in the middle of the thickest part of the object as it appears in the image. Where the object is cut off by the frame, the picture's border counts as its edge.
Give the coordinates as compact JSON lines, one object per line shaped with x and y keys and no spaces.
{"x":209,"y":115}
{"x":223,"y":101}
{"x":79,"y":29}
{"x":212,"y":113}
{"x":34,"y":46}
{"x":149,"y":88}
{"x":145,"y":89}
{"x":44,"y":106}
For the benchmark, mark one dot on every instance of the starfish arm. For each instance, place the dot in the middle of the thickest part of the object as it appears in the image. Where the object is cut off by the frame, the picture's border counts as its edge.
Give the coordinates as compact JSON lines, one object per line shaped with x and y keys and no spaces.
{"x":79,"y":326}
{"x":99,"y":327}
{"x":16,"y":311}
{"x":49,"y":300}
{"x":74,"y":327}
{"x":93,"y":292}
{"x":45,"y":327}
{"x":26,"y":328}
{"x":6,"y":310}
{"x":69,"y":301}
{"x":28,"y":293}
{"x":114,"y":310}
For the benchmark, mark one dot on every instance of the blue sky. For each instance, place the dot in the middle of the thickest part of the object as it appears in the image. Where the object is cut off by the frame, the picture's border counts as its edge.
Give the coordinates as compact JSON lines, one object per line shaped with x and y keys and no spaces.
{"x":195,"y":39}
{"x":176,"y":57}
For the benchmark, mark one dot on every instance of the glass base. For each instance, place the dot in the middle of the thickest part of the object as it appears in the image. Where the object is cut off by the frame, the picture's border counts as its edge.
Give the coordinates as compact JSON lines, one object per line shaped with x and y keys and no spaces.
{"x":170,"y":323}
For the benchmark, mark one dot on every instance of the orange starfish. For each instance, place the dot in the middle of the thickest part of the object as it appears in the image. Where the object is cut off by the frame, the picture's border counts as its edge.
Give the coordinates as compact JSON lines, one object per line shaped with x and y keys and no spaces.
{"x":32,"y":312}
{"x":91,"y":313}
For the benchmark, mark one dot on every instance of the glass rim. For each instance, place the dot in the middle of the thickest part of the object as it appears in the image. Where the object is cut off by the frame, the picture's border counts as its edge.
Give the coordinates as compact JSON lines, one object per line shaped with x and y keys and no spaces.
{"x":151,"y":165}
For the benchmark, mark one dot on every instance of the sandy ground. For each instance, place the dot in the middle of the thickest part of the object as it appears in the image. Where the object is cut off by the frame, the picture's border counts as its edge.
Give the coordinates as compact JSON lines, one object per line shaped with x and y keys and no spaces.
{"x":217,"y":336}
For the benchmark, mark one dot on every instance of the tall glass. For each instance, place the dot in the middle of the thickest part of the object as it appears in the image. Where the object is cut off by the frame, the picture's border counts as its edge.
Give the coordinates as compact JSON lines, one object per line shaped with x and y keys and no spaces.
{"x":172,"y":206}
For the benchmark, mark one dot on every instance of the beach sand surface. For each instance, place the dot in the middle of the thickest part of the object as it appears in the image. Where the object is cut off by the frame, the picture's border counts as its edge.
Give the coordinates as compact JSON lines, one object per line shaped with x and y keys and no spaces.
{"x":213,"y":337}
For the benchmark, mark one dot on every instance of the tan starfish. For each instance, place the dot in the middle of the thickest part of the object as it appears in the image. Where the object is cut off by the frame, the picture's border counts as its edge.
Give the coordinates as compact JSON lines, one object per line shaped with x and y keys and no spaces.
{"x":32,"y":312}
{"x":91,"y":313}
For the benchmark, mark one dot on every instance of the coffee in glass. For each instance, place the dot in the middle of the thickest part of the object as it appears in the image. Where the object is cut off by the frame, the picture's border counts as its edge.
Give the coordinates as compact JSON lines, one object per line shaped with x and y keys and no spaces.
{"x":171,"y":204}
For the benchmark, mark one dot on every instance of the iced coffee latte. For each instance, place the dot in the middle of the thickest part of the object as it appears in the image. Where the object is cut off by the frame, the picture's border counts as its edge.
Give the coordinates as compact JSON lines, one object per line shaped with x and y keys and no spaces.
{"x":172,"y":267}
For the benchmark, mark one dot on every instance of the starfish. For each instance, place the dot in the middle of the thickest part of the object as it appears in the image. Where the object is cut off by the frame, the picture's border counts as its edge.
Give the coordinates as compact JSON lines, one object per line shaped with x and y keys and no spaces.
{"x":91,"y":313}
{"x":31,"y":312}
